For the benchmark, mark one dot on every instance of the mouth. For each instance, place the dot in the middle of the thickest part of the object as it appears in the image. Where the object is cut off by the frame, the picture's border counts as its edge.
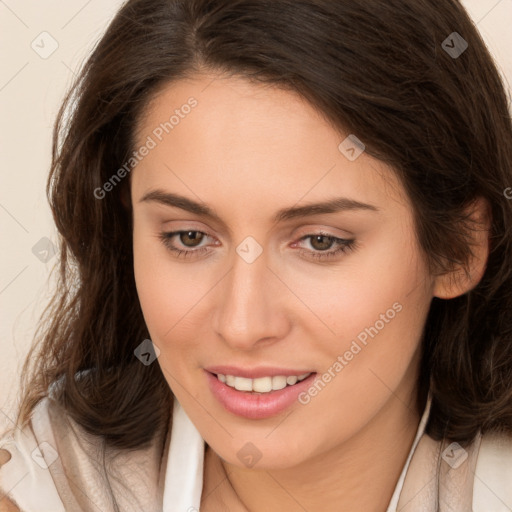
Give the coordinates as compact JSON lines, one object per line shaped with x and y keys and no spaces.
{"x":259,"y":397}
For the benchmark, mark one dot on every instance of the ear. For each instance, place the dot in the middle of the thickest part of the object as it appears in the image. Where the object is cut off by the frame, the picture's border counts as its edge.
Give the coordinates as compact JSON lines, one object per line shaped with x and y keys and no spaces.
{"x":461,"y":279}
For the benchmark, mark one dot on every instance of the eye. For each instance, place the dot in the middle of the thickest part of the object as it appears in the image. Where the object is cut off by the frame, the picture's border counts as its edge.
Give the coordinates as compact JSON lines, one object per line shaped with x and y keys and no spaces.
{"x":322,"y":242}
{"x":189,"y":244}
{"x":187,"y":238}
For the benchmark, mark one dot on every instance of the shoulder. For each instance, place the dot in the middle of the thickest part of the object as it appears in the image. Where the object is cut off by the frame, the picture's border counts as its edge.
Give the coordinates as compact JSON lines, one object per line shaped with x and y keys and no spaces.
{"x":53,"y":455}
{"x":25,"y":478}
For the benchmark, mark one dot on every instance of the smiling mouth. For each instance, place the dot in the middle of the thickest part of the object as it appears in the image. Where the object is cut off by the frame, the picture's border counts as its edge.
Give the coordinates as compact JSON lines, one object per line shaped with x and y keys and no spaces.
{"x":260,"y":397}
{"x":260,"y":385}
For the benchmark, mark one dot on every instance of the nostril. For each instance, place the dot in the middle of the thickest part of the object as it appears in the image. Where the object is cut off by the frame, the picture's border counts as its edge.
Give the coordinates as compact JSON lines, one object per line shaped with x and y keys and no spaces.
{"x":5,"y":457}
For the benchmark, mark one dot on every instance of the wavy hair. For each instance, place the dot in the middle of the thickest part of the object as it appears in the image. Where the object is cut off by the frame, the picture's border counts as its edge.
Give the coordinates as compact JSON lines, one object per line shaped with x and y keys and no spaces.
{"x":380,"y":70}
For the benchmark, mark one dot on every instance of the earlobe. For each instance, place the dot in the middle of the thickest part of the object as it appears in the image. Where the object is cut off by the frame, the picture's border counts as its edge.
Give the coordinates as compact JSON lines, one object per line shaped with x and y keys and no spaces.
{"x":463,"y":279}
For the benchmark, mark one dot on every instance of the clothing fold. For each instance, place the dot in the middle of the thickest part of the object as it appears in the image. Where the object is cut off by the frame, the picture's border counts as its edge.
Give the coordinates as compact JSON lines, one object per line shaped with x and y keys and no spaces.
{"x":56,"y":466}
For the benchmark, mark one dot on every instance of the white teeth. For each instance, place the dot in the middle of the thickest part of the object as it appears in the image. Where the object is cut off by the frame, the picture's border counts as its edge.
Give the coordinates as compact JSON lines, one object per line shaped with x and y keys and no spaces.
{"x":278,"y":382}
{"x":243,"y":384}
{"x":261,"y":384}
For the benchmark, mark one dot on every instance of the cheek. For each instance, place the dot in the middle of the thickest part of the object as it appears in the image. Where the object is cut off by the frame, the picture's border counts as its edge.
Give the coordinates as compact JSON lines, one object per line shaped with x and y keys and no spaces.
{"x":150,"y":280}
{"x":384,"y":352}
{"x":158,"y":293}
{"x":170,"y":294}
{"x":344,"y":299}
{"x":373,"y":311}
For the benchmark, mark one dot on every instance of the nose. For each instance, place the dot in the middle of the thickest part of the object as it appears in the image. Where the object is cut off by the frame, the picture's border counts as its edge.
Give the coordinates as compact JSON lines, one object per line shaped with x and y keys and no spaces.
{"x":251,"y":309}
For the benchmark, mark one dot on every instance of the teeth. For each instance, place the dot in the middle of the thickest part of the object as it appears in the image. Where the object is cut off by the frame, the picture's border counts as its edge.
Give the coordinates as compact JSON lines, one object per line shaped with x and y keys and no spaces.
{"x":261,"y":384}
{"x":243,"y":384}
{"x":278,"y":382}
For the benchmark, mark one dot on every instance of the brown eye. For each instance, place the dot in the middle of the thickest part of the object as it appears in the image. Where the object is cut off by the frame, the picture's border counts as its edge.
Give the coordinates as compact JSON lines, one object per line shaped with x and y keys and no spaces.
{"x":191,"y":238}
{"x":321,"y":242}
{"x":185,"y":243}
{"x":321,"y":247}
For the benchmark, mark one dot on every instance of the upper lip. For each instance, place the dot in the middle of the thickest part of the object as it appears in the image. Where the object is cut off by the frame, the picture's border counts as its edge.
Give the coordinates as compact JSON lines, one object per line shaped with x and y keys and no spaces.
{"x":254,"y":373}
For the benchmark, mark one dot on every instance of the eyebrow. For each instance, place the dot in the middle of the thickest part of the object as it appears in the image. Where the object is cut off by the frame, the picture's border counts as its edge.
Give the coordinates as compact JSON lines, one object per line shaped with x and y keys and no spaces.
{"x":330,"y":206}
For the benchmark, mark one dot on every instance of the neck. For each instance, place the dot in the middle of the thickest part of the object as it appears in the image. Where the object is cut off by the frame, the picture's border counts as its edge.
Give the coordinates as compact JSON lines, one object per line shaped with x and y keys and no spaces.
{"x":360,"y":474}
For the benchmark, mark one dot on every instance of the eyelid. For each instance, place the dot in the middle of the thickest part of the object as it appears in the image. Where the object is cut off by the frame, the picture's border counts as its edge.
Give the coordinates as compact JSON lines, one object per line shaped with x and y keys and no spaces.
{"x":311,"y":234}
{"x":298,"y":237}
{"x":317,"y":230}
{"x":299,"y":232}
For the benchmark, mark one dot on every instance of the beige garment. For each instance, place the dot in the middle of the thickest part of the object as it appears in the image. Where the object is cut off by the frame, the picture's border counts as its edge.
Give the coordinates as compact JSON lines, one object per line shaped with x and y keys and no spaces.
{"x":167,"y":475}
{"x":444,"y":477}
{"x":433,"y":484}
{"x":59,"y":466}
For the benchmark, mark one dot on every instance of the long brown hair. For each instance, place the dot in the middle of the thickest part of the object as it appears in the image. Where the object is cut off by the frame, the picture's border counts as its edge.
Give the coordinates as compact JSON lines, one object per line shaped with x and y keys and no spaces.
{"x":394,"y":74}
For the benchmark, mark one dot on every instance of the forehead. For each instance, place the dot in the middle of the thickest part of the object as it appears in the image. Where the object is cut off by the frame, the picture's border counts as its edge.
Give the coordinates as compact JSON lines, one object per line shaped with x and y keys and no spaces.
{"x":254,"y":142}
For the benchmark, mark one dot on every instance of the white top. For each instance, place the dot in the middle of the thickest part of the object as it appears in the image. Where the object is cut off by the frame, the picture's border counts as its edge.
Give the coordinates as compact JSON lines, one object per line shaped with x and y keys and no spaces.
{"x":174,"y":475}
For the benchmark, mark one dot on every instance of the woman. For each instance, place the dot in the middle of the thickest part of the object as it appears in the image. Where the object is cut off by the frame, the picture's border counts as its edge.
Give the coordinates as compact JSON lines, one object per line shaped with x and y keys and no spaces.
{"x":285,"y":267}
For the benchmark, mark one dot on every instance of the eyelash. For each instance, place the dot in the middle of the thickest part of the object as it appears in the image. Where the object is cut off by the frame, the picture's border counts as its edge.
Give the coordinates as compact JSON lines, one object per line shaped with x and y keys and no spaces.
{"x":345,"y":245}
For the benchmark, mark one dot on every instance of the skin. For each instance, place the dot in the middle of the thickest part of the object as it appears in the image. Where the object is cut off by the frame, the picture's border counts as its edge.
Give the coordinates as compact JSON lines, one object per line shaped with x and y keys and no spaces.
{"x":247,"y":151}
{"x":6,"y":505}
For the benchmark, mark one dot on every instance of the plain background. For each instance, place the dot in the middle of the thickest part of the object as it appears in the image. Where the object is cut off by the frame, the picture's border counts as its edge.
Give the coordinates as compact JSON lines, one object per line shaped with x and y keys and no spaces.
{"x":32,"y":85}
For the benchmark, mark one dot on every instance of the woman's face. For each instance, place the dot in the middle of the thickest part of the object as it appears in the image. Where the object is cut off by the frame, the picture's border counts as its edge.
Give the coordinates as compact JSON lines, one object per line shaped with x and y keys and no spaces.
{"x":261,"y":284}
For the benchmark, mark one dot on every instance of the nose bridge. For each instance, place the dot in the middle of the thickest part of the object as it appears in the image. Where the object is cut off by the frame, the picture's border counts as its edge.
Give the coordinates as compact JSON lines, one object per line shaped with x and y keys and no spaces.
{"x":247,"y":312}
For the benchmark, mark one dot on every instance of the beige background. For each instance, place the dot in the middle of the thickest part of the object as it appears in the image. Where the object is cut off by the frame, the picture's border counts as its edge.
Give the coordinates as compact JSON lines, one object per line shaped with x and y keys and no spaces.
{"x":31,"y":88}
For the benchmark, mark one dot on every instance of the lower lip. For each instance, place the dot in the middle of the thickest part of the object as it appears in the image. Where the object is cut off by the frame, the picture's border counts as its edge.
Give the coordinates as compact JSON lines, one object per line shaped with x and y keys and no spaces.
{"x":255,"y":406}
